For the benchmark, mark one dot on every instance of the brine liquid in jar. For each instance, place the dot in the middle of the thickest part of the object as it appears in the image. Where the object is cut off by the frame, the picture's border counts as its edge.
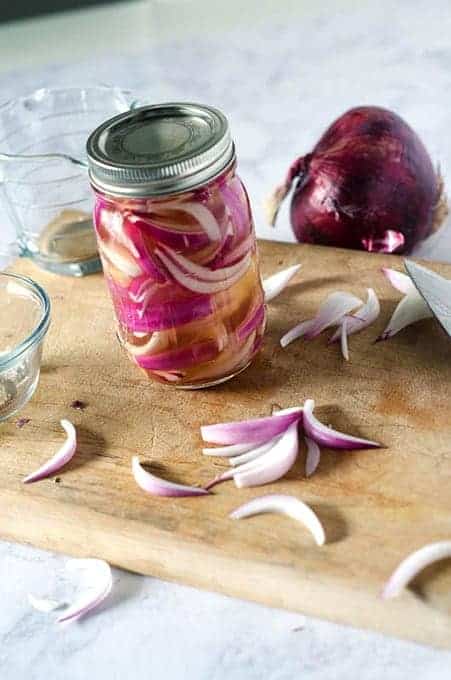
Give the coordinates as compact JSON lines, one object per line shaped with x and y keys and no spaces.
{"x":177,"y":243}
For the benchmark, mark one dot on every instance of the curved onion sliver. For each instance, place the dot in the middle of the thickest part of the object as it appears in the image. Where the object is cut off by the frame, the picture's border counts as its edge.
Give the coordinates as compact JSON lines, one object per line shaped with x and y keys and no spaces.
{"x":276,"y":283}
{"x":161,"y":487}
{"x":413,"y":564}
{"x":126,"y":265}
{"x":313,"y":456}
{"x":200,"y":272}
{"x":247,"y":431}
{"x":103,"y":580}
{"x":326,"y":436}
{"x":399,"y":280}
{"x":61,"y":457}
{"x":287,"y":505}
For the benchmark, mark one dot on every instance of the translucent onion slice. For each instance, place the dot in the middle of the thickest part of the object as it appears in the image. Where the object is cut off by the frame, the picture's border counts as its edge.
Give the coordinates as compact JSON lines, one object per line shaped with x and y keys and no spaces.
{"x":228,"y":451}
{"x":203,"y":215}
{"x":247,"y":431}
{"x":254,"y":453}
{"x":410,"y":309}
{"x":61,"y":457}
{"x":254,"y":319}
{"x":196,"y":286}
{"x":113,"y":222}
{"x":161,"y":487}
{"x":272,"y":465}
{"x":344,"y":338}
{"x":200,"y":272}
{"x":286,"y":505}
{"x":249,"y":463}
{"x":276,"y":283}
{"x":313,"y":456}
{"x":326,"y":436}
{"x":125,"y":264}
{"x":413,"y":564}
{"x":102,"y":583}
{"x":335,"y":306}
{"x":362,"y":318}
{"x":182,"y":240}
{"x":182,"y":357}
{"x":297,"y":332}
{"x":399,"y":280}
{"x":148,"y":346}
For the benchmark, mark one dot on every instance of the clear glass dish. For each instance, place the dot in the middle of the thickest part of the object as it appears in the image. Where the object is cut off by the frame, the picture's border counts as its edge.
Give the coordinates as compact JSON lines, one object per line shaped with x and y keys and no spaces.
{"x":24,"y":321}
{"x":47,"y":200}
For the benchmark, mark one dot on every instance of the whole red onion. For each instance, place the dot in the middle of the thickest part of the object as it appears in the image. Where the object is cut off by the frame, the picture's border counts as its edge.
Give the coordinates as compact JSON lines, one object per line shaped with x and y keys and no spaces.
{"x":368,"y":184}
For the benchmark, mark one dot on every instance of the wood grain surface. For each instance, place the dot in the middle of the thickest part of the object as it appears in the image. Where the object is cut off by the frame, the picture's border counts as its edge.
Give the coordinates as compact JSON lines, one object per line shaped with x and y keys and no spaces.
{"x":376,"y":506}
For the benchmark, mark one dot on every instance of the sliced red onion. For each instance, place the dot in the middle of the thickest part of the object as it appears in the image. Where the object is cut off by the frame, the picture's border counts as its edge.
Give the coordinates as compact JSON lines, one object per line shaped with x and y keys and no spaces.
{"x":228,"y":451}
{"x":313,"y":456}
{"x":275,"y":284}
{"x":297,"y":332}
{"x":389,"y":243}
{"x":204,"y":273}
{"x":102,"y":582}
{"x":344,"y":338}
{"x":399,"y":280}
{"x":286,"y":505}
{"x":173,"y":359}
{"x":410,"y":309}
{"x":161,"y":487}
{"x":113,"y":221}
{"x":146,"y":261}
{"x":203,"y":215}
{"x":182,"y":240}
{"x":272,"y":465}
{"x":254,"y":453}
{"x":164,"y":315}
{"x":169,"y":376}
{"x":247,"y":431}
{"x":326,"y":436}
{"x":203,"y":287}
{"x":149,"y":346}
{"x":335,"y":306}
{"x":61,"y":457}
{"x":413,"y":564}
{"x":362,"y":318}
{"x":237,"y":253}
{"x":126,"y":265}
{"x":255,"y":318}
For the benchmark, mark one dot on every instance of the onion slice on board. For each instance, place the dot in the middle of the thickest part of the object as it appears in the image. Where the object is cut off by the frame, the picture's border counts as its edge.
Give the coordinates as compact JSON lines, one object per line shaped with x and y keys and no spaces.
{"x":229,"y":451}
{"x":296,"y":332}
{"x":250,"y":463}
{"x":161,"y":487}
{"x":362,"y":318}
{"x":102,"y":582}
{"x":335,"y":306}
{"x":287,"y":505}
{"x":410,"y":309}
{"x":344,"y":338}
{"x":326,"y":436}
{"x":275,"y":284}
{"x":413,"y":564}
{"x":247,"y":431}
{"x":253,"y":453}
{"x":272,"y":465}
{"x":313,"y":456}
{"x":61,"y":457}
{"x":399,"y":280}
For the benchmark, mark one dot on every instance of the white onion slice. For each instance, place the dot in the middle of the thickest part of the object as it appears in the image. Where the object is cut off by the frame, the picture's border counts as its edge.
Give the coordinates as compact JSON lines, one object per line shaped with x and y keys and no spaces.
{"x":203,"y":215}
{"x":326,"y":436}
{"x":313,"y":456}
{"x":287,"y":505}
{"x":126,"y":265}
{"x":344,"y":338}
{"x":200,"y":272}
{"x":61,"y":457}
{"x":362,"y":318}
{"x":102,"y":582}
{"x":410,"y":309}
{"x":275,"y":284}
{"x":43,"y":604}
{"x":272,"y":465}
{"x":399,"y":280}
{"x":160,"y":487}
{"x":229,"y":451}
{"x":253,"y":453}
{"x":334,"y":307}
{"x":203,"y":287}
{"x":114,"y":223}
{"x":413,"y":564}
{"x":297,"y":332}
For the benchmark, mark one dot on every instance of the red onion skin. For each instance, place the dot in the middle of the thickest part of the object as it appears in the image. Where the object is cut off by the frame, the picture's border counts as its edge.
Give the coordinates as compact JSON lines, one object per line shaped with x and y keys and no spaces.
{"x":368,"y":173}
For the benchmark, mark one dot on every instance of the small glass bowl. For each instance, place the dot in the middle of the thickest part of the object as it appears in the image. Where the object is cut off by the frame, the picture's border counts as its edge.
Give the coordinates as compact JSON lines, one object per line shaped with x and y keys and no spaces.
{"x":24,"y":321}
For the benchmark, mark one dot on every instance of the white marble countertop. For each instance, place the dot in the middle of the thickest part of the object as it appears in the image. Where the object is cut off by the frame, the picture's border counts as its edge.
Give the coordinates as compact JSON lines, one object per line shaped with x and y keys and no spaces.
{"x":281,"y":71}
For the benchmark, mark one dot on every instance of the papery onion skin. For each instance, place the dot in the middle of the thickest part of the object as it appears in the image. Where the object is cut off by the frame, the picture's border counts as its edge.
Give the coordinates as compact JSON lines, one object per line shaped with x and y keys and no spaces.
{"x":368,"y":174}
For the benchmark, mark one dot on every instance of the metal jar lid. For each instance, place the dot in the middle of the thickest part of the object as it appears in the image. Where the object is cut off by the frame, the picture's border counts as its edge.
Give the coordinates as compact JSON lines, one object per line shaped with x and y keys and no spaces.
{"x":157,"y":150}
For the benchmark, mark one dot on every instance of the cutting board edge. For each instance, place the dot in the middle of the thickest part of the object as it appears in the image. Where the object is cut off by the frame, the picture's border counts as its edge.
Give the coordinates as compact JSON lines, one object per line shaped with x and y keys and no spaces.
{"x":300,"y":592}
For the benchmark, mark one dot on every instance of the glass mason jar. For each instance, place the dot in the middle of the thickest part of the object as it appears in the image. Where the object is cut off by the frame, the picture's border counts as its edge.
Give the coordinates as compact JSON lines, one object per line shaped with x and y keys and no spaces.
{"x":176,"y":238}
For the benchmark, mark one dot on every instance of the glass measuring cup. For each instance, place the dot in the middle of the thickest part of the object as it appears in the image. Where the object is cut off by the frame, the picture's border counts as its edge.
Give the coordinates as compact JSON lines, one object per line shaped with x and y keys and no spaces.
{"x":47,"y":201}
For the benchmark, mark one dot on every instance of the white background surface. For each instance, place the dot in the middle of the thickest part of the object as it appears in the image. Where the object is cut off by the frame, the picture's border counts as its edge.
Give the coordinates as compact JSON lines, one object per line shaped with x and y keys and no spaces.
{"x":281,"y":72}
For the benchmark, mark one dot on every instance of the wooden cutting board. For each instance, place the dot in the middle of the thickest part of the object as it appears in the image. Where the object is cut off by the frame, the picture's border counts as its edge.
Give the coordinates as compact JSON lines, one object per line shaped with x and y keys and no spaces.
{"x":376,"y":506}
